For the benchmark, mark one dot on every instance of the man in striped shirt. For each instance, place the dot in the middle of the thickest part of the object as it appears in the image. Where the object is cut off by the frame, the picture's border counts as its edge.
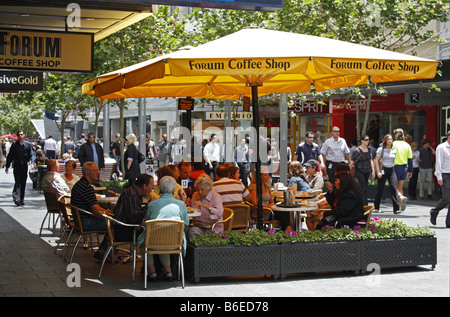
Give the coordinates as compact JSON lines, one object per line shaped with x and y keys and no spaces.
{"x":334,"y":151}
{"x":83,"y":197}
{"x":231,"y":191}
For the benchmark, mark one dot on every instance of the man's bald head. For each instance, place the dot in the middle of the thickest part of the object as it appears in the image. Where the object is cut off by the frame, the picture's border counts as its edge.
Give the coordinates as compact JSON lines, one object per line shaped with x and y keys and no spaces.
{"x":53,"y":166}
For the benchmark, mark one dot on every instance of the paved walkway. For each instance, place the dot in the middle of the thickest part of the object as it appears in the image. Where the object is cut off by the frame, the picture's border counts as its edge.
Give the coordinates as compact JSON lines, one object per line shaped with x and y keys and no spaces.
{"x":28,"y":266}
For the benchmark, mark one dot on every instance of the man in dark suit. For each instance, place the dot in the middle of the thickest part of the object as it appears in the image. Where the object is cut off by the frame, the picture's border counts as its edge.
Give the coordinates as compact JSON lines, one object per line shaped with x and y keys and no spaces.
{"x":20,"y":154}
{"x":91,"y":152}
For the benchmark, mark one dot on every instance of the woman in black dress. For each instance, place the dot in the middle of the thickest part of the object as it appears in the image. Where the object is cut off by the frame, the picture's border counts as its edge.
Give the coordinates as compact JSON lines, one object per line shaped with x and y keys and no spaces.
{"x":346,"y":203}
{"x":132,"y":168}
{"x":362,"y":160}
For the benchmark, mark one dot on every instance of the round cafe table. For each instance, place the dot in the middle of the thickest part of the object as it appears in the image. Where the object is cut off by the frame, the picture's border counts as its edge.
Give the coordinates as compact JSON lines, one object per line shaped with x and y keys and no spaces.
{"x":296,"y":213}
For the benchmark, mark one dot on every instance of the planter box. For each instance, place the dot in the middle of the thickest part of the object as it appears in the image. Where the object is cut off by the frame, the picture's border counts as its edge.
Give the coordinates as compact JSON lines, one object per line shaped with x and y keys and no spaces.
{"x":232,"y":260}
{"x":279,"y":260}
{"x":399,"y":252}
{"x":320,"y":257}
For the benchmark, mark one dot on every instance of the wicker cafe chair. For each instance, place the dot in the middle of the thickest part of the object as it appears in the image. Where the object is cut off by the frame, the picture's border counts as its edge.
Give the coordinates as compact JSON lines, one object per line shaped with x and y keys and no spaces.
{"x":241,"y":216}
{"x":51,"y":200}
{"x":227,"y":220}
{"x":67,"y":225}
{"x":266,"y":210}
{"x":164,"y":236}
{"x":367,"y":215}
{"x":78,"y":228}
{"x":112,"y":243}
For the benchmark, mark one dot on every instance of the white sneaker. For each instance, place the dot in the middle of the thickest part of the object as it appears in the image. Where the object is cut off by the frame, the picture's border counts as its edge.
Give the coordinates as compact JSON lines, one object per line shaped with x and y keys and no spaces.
{"x":403,"y":201}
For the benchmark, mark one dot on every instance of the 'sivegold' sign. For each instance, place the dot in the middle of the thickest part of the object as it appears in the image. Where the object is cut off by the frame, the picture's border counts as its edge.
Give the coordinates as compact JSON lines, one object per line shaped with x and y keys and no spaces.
{"x":46,"y":50}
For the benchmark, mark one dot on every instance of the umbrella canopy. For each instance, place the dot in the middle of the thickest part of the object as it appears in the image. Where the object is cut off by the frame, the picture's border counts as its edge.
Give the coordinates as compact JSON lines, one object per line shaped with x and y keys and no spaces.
{"x":275,"y":61}
{"x":254,"y":62}
{"x":9,"y":136}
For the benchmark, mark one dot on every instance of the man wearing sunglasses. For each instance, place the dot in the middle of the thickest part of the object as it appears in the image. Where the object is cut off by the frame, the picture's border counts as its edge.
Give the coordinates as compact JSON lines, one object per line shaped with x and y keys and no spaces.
{"x":20,"y":155}
{"x":334,"y":151}
{"x":308,"y":150}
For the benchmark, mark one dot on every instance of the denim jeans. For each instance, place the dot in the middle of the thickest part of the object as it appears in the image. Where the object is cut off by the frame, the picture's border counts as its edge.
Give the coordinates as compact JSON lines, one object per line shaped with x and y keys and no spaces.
{"x":94,"y":224}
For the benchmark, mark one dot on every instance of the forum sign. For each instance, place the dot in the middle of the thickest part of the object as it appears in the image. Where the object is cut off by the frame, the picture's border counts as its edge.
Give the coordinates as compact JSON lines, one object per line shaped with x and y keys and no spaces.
{"x":50,"y":51}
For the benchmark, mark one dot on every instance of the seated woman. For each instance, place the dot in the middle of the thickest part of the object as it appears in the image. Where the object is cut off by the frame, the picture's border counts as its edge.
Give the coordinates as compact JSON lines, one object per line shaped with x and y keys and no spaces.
{"x":346,"y":202}
{"x":233,"y":172}
{"x":210,"y":204}
{"x":41,"y":159}
{"x":68,"y":175}
{"x":167,"y":171}
{"x":130,"y":209}
{"x":166,"y":207}
{"x":267,"y":198}
{"x":298,"y":177}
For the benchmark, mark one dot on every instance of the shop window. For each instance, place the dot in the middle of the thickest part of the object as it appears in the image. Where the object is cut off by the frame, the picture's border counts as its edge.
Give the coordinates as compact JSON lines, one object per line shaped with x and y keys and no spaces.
{"x":413,"y":124}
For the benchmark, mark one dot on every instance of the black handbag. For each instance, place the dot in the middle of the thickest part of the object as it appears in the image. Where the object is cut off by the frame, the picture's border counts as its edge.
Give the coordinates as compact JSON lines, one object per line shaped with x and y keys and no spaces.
{"x":140,"y":158}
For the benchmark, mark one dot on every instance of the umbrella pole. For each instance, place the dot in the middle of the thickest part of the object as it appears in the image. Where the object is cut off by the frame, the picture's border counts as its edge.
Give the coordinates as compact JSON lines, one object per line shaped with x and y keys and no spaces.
{"x":259,"y":205}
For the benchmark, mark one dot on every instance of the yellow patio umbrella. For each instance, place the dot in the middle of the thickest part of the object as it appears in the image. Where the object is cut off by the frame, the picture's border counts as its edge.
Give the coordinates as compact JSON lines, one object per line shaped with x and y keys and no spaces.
{"x":254,"y":62}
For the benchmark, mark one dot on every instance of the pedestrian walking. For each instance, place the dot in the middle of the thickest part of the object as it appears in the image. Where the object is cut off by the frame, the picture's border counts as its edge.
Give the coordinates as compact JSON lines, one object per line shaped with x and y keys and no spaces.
{"x":50,"y":148}
{"x":309,"y":150}
{"x":211,"y":154}
{"x":241,"y":159}
{"x":442,"y":173}
{"x":384,"y":167}
{"x":412,"y":186}
{"x":363,"y":163}
{"x":402,"y":164}
{"x":91,"y":152}
{"x":426,"y":168}
{"x":20,"y":154}
{"x":334,"y":151}
{"x":165,"y":151}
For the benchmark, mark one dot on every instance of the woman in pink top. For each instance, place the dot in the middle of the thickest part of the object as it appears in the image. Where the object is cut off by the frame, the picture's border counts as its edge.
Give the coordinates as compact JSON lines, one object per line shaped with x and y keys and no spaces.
{"x":209,"y":204}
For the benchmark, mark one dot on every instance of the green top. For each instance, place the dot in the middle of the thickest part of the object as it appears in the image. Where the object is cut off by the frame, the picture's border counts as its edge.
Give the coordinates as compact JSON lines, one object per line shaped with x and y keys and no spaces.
{"x":403,"y":152}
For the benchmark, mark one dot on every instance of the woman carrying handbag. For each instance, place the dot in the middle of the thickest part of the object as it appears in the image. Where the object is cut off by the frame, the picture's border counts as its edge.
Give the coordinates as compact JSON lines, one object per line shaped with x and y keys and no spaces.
{"x":386,"y":154}
{"x":363,"y":163}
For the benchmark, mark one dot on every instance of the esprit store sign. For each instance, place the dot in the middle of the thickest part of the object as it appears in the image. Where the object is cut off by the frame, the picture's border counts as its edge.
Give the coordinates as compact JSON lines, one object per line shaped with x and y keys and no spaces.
{"x":38,"y":50}
{"x":309,"y":107}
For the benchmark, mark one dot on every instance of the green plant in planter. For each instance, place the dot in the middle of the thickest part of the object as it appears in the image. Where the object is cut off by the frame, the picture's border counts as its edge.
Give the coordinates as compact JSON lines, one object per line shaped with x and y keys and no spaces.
{"x":377,"y":229}
{"x":115,"y":183}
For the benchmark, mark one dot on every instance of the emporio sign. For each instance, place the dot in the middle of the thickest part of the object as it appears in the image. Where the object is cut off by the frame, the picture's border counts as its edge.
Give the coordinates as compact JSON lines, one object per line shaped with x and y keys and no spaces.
{"x":37,"y":50}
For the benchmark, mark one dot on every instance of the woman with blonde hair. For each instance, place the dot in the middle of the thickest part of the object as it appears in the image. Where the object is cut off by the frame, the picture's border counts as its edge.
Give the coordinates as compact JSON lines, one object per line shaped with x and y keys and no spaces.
{"x":132,"y":169}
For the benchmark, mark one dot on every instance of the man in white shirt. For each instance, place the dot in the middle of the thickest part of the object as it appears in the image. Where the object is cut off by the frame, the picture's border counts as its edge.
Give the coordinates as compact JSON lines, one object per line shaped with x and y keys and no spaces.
{"x":211,"y":153}
{"x":50,"y":147}
{"x":442,"y":173}
{"x":53,"y":180}
{"x":334,"y":151}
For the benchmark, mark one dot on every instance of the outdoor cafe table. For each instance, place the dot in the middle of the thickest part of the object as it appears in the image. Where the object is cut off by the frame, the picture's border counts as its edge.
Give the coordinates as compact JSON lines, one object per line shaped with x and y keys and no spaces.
{"x":296,"y":211}
{"x":112,"y":201}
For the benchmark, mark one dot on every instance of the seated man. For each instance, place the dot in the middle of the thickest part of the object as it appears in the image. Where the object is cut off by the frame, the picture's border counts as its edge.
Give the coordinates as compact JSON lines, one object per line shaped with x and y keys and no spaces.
{"x":231,"y":191}
{"x":83,"y":197}
{"x":185,"y":180}
{"x":314,"y":178}
{"x":53,"y":180}
{"x":130,"y":209}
